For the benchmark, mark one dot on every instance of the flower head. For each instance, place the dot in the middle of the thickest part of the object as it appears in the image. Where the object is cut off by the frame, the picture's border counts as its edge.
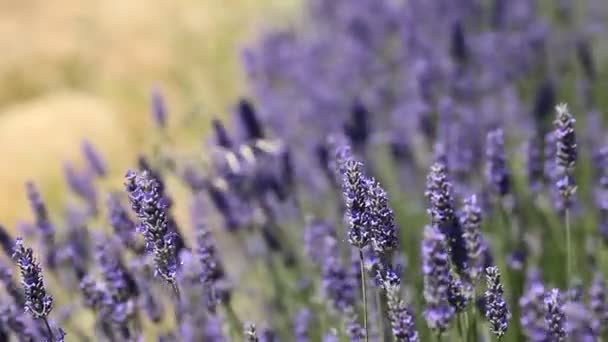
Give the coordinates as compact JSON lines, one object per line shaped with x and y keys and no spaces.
{"x":151,"y":208}
{"x":37,"y":302}
{"x":555,"y":318}
{"x":566,"y":154}
{"x":402,"y":319}
{"x":498,"y":176}
{"x":470,"y":221}
{"x":356,"y":194}
{"x":497,"y":311}
{"x":94,"y":159}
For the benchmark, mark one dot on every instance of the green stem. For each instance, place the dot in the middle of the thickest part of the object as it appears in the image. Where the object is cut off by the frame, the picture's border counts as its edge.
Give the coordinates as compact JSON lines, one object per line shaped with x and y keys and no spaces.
{"x":568,"y":246}
{"x":364,"y":295}
{"x":380,"y":309}
{"x":48,"y":328}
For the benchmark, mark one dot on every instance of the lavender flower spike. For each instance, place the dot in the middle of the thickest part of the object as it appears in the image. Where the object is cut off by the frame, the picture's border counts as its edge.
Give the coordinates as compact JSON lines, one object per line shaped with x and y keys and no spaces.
{"x":382,"y":221}
{"x":566,"y":138}
{"x":356,"y":193}
{"x":436,"y":272}
{"x":402,"y":320}
{"x":440,"y":196}
{"x":94,"y":159}
{"x":151,"y":208}
{"x":159,"y":109}
{"x":598,"y":303}
{"x":498,"y":176}
{"x":555,"y":318}
{"x":470,"y":221}
{"x":497,"y":311}
{"x":37,"y":302}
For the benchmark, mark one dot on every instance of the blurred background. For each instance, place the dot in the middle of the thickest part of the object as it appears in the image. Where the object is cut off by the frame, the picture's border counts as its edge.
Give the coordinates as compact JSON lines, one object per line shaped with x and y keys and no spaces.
{"x":72,"y":69}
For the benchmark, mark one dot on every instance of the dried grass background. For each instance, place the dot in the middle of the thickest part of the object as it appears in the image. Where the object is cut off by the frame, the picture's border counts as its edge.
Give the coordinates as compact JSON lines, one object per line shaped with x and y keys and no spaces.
{"x":71,"y":69}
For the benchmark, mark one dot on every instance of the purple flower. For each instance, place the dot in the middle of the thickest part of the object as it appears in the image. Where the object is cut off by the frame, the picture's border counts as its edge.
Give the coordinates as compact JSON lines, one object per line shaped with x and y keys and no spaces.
{"x":497,"y":312}
{"x":118,"y":279}
{"x":357,"y":129}
{"x":598,"y":303}
{"x":94,"y":159}
{"x":302,"y":325}
{"x":470,"y":220}
{"x":566,"y":138}
{"x":460,"y":293}
{"x":222,"y":138}
{"x":532,"y":308}
{"x":6,"y":278}
{"x":249,"y":120}
{"x":381,"y":220}
{"x":436,"y":272}
{"x":320,"y":240}
{"x":534,"y":164}
{"x":37,"y":302}
{"x":81,"y":184}
{"x":6,"y":241}
{"x":401,"y":317}
{"x":151,"y":207}
{"x":121,"y":222}
{"x":497,"y":173}
{"x":43,"y":222}
{"x":555,"y":318}
{"x":338,"y":284}
{"x":11,"y":317}
{"x":159,"y":109}
{"x":356,"y":194}
{"x":439,"y":193}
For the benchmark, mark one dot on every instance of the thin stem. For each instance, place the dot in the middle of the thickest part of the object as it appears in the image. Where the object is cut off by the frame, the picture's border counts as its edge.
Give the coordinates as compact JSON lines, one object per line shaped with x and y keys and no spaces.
{"x":176,"y":290}
{"x":568,"y":246}
{"x":364,"y":294}
{"x":233,"y":319}
{"x":48,"y":328}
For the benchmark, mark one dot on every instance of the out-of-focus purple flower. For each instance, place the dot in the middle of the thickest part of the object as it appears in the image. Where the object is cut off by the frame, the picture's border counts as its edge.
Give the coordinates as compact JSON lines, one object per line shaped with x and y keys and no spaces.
{"x":402,"y":319}
{"x":222,"y":139}
{"x":544,"y":101}
{"x":149,"y":302}
{"x":534,"y":164}
{"x":150,"y":206}
{"x":584,"y":53}
{"x":498,"y":176}
{"x":118,"y":279}
{"x":6,"y":241}
{"x":302,"y":325}
{"x":357,"y":128}
{"x":459,"y":48}
{"x":555,"y":318}
{"x":440,"y":196}
{"x":81,"y":183}
{"x":460,"y":293}
{"x":598,"y":303}
{"x":338,"y":284}
{"x":211,"y":268}
{"x":11,"y":317}
{"x":320,"y":240}
{"x":250,"y":121}
{"x":436,"y":272}
{"x":43,"y":223}
{"x":37,"y":302}
{"x":532,"y":308}
{"x":354,"y":330}
{"x":95,"y":161}
{"x":497,"y":312}
{"x":579,"y":323}
{"x":122,"y":224}
{"x":159,"y":109}
{"x":470,"y":221}
{"x":356,"y":194}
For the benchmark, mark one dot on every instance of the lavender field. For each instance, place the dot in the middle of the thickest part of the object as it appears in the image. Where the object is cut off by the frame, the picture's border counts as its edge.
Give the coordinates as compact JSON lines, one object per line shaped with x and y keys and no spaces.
{"x":394,"y":170}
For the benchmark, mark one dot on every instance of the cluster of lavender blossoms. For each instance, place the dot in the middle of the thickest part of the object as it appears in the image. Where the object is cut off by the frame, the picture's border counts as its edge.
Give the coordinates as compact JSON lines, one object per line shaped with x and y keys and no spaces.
{"x":401,"y":172}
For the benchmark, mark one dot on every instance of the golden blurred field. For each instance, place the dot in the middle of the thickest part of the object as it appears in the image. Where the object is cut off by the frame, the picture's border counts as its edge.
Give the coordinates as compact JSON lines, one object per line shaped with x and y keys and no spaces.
{"x":73,"y":69}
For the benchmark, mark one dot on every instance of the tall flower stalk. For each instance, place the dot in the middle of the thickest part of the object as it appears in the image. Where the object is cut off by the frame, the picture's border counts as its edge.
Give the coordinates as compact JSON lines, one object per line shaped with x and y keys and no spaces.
{"x":356,"y":193}
{"x":566,"y":156}
{"x":37,"y":302}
